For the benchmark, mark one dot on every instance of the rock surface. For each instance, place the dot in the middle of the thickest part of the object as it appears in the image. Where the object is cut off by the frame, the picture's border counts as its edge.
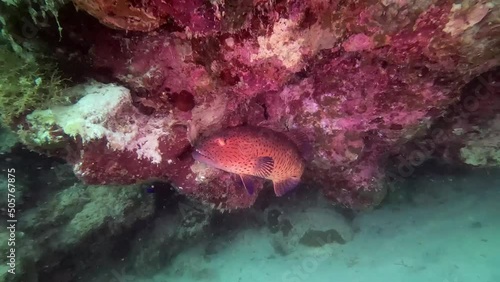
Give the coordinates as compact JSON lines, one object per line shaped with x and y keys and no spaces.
{"x":8,"y":140}
{"x":475,"y":129}
{"x":466,"y":135}
{"x":312,"y":227}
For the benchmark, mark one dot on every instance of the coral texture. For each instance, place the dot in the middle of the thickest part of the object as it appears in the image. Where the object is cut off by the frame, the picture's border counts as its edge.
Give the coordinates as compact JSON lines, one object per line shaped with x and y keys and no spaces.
{"x":358,"y":78}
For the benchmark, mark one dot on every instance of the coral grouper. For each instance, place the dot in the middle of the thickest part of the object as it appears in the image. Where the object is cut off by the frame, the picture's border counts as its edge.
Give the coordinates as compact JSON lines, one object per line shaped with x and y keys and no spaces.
{"x":254,"y":151}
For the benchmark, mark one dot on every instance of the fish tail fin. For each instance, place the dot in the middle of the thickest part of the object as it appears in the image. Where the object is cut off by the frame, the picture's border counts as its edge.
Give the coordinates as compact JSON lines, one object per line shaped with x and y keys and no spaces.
{"x":284,"y":186}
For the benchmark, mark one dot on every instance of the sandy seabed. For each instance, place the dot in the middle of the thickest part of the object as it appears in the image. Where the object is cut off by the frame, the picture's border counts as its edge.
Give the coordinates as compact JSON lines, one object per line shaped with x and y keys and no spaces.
{"x":448,"y":232}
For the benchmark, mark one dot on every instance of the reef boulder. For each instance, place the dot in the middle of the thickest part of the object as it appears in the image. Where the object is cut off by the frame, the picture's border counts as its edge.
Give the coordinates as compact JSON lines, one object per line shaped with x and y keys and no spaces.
{"x":360,"y":79}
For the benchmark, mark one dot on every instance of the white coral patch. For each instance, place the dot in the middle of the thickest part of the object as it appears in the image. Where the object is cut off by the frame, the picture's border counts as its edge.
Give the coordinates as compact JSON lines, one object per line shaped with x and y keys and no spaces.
{"x":282,"y":44}
{"x":288,"y":43}
{"x":105,"y":111}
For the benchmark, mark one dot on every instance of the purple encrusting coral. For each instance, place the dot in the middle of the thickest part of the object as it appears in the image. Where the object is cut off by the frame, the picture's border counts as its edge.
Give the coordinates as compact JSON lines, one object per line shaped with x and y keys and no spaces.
{"x":359,"y":78}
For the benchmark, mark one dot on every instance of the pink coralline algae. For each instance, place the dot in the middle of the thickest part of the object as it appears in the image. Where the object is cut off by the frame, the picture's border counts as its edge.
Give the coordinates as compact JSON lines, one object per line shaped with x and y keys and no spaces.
{"x":358,"y":78}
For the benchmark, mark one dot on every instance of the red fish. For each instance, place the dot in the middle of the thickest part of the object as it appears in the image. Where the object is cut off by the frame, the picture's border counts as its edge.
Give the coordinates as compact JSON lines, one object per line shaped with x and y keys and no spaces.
{"x":254,"y":151}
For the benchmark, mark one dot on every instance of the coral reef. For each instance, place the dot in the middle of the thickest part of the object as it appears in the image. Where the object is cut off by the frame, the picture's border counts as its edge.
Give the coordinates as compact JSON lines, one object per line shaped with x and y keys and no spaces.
{"x":359,"y":79}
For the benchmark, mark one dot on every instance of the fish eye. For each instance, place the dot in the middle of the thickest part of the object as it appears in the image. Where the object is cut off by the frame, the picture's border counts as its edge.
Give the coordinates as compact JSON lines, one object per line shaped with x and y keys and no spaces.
{"x":221,"y":141}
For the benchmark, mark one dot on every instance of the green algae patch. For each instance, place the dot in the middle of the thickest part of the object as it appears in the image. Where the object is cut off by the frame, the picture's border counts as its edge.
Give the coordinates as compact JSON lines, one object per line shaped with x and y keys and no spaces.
{"x":26,"y":86}
{"x":488,"y":156}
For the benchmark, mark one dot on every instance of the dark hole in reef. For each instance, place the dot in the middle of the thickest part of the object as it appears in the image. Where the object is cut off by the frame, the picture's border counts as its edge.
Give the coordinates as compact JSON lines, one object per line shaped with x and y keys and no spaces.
{"x":384,"y":64}
{"x":261,"y":101}
{"x":145,"y":110}
{"x":395,"y":126}
{"x":227,"y":77}
{"x":266,"y":114}
{"x":372,"y":134}
{"x":304,"y":73}
{"x":376,"y":120}
{"x":185,"y":153}
{"x":183,"y":101}
{"x":423,"y":71}
{"x":308,"y":19}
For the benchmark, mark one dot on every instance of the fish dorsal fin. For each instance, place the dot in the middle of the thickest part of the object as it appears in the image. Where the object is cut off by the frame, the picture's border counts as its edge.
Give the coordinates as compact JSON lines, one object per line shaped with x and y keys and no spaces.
{"x":248,"y":183}
{"x":264,"y":166}
{"x":284,"y":186}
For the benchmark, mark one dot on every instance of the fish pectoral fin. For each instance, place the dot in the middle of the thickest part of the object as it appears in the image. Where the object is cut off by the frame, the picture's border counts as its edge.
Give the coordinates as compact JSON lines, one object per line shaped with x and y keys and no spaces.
{"x":264,"y":166}
{"x":248,"y":183}
{"x":284,"y":186}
